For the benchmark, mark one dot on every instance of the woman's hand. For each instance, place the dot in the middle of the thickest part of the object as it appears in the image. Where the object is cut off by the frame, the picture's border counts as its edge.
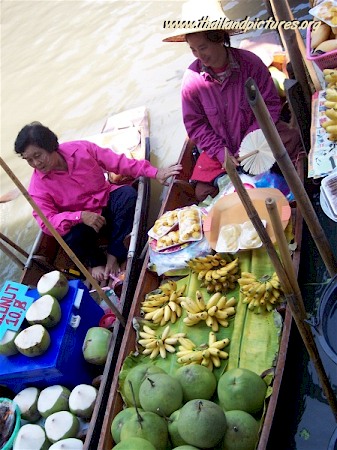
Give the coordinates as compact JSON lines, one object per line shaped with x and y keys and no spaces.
{"x":167,"y":172}
{"x":93,"y":220}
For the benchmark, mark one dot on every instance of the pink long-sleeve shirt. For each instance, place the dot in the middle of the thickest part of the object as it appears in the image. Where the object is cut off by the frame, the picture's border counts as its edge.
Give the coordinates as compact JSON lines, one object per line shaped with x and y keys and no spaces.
{"x":63,"y":195}
{"x":217,"y":114}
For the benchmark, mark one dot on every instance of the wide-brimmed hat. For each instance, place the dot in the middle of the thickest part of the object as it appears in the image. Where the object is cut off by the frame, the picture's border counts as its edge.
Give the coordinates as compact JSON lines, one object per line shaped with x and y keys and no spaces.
{"x":198,"y":16}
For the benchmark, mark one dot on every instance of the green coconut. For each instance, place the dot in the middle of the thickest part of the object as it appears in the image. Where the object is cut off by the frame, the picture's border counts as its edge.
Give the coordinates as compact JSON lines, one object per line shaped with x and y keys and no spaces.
{"x":7,"y":345}
{"x":53,"y":399}
{"x":27,"y":403}
{"x":31,"y":437}
{"x":82,"y":400}
{"x":53,"y":283}
{"x":61,"y":425}
{"x":45,"y":310}
{"x":33,"y":341}
{"x":67,"y":444}
{"x":96,"y":345}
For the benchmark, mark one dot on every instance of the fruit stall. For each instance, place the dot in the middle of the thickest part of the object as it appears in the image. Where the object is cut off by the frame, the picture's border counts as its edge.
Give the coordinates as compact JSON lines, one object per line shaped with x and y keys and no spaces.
{"x":51,"y":351}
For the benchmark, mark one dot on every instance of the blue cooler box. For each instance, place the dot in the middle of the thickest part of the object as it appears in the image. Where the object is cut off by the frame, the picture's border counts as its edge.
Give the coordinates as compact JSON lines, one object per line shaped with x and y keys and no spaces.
{"x":63,"y":362}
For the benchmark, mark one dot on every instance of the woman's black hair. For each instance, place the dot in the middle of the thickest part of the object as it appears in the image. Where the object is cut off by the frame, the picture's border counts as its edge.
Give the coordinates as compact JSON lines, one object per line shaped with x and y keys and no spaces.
{"x":219,"y":36}
{"x":36,"y":134}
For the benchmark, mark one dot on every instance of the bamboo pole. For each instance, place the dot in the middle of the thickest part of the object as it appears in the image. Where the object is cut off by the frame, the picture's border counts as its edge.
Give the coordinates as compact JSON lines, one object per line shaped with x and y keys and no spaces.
{"x":63,"y":244}
{"x":13,"y":244}
{"x":295,"y":303}
{"x":11,"y":255}
{"x":289,"y":172}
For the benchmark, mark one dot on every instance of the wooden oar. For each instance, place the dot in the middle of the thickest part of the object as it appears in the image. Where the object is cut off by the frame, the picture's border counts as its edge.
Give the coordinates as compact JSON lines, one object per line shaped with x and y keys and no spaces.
{"x":295,"y":303}
{"x":63,"y":244}
{"x":289,"y":172}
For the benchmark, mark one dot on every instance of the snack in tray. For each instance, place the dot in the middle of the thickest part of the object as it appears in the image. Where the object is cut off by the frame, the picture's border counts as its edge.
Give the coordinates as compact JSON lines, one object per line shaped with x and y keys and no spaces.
{"x":190,"y":226}
{"x":168,"y":240}
{"x":228,"y":240}
{"x":249,"y":237}
{"x":164,"y":224}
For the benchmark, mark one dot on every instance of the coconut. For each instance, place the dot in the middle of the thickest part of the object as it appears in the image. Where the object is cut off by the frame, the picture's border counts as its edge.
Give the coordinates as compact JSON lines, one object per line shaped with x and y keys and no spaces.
{"x":53,"y":283}
{"x":45,"y":310}
{"x":33,"y":340}
{"x":31,"y":437}
{"x":67,"y":444}
{"x":27,"y":403}
{"x":96,"y":345}
{"x":61,"y":425}
{"x":82,"y":400}
{"x":53,"y":399}
{"x":7,"y":346}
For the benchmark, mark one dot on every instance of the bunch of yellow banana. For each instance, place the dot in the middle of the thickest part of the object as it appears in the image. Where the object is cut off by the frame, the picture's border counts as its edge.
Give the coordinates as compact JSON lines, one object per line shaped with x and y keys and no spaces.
{"x":217,"y":274}
{"x":330,"y":126}
{"x":214,"y":312}
{"x":262,"y":294}
{"x":164,"y":306}
{"x":158,"y":344}
{"x":209,"y":355}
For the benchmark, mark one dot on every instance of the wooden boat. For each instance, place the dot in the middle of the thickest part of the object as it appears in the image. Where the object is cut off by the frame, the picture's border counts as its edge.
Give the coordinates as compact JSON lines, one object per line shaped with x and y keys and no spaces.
{"x":181,"y":193}
{"x":127,"y":130}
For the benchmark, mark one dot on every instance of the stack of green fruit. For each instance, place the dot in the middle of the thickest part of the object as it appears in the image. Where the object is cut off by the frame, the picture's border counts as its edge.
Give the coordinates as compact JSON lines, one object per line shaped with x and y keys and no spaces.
{"x":189,"y":408}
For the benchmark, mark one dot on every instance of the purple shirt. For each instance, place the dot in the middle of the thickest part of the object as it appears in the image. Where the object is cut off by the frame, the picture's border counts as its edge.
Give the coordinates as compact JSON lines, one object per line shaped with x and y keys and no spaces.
{"x":217,"y":114}
{"x":63,"y":195}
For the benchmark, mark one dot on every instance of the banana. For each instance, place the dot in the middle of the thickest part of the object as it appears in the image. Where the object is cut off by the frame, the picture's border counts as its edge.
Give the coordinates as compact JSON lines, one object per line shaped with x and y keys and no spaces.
{"x":212,"y":311}
{"x":181,"y":290}
{"x":167,"y":313}
{"x":158,"y":315}
{"x":190,"y":322}
{"x":178,"y":311}
{"x":231,"y":302}
{"x":172,"y":305}
{"x":211,"y":338}
{"x":199,"y":299}
{"x":173,"y":317}
{"x":187,"y":343}
{"x":162,"y":350}
{"x":223,"y":322}
{"x":208,"y":276}
{"x":216,"y":361}
{"x":220,"y":344}
{"x":223,"y":355}
{"x":200,"y":315}
{"x":165,"y":333}
{"x":214,"y":351}
{"x":213,"y":300}
{"x":216,"y":275}
{"x":202,"y":274}
{"x":222,"y":302}
{"x":149,"y":315}
{"x":171,"y":341}
{"x":149,"y":330}
{"x":169,"y":347}
{"x":154,"y":353}
{"x":222,"y":314}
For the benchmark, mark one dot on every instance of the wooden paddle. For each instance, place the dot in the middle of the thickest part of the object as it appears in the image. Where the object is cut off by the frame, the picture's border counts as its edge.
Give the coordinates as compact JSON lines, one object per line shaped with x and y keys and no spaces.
{"x":292,"y":295}
{"x":291,"y":176}
{"x":63,"y":244}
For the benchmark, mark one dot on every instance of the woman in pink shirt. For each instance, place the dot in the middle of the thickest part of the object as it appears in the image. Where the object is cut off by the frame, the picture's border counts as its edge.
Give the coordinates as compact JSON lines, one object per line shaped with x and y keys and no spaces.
{"x":70,"y":187}
{"x":215,"y":110}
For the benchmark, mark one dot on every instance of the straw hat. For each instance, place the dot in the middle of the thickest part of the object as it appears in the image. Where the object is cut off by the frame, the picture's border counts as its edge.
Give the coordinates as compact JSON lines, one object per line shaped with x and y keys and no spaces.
{"x":206,"y":15}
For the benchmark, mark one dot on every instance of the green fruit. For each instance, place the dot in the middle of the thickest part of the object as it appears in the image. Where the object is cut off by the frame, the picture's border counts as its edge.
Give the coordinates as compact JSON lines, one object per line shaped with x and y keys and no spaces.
{"x":161,"y":394}
{"x":134,"y":443}
{"x":242,"y":431}
{"x":197,"y":382}
{"x":185,"y":447}
{"x":136,"y":376}
{"x":118,"y":422}
{"x":146,"y":425}
{"x":53,"y":283}
{"x":202,"y":423}
{"x":241,"y":389}
{"x":175,"y":437}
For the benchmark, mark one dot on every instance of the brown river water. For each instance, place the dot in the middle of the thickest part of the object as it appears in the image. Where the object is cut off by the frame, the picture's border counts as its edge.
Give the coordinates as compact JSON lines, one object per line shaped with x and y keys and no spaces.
{"x":72,"y":63}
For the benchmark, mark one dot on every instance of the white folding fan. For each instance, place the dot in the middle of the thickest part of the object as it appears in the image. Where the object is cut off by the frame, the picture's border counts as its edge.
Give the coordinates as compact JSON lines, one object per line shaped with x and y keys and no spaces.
{"x":255,"y":154}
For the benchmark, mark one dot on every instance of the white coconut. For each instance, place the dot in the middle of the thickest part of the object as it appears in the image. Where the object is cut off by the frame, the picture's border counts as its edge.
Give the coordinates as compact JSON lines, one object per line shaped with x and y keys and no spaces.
{"x":27,"y":403}
{"x":53,"y":283}
{"x":53,"y":399}
{"x":61,"y":425}
{"x":82,"y":400}
{"x":33,"y":340}
{"x":96,"y":345}
{"x":45,"y":310}
{"x":67,"y":444}
{"x":31,"y":437}
{"x":7,"y":346}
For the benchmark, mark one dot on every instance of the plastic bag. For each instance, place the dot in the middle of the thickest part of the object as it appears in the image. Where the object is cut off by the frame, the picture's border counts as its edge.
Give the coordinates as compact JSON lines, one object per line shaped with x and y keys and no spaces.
{"x":178,"y":260}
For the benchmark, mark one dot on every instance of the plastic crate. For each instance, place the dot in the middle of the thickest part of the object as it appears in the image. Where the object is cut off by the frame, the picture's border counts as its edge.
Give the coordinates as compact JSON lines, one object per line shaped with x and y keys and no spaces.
{"x":63,"y":362}
{"x":325,"y":61}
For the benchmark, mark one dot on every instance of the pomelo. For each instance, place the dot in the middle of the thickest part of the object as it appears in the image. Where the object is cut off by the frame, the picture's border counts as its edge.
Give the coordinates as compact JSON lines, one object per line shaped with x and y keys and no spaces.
{"x":197,"y":381}
{"x":242,"y":431}
{"x":241,"y":389}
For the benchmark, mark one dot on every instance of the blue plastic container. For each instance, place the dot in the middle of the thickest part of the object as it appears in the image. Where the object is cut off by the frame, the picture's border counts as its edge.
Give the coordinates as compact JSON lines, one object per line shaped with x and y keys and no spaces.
{"x":63,"y":362}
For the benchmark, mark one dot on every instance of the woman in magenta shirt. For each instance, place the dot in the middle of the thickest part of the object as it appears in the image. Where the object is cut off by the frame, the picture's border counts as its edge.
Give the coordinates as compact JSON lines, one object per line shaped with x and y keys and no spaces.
{"x":215,"y":110}
{"x":70,"y":187}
